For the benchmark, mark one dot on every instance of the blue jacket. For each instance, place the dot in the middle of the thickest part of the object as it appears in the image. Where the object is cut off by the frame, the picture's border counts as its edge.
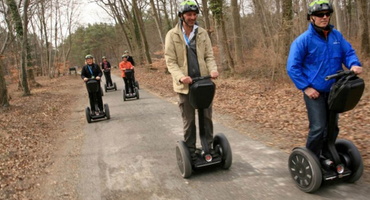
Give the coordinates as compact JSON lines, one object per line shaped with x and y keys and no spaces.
{"x":312,"y":58}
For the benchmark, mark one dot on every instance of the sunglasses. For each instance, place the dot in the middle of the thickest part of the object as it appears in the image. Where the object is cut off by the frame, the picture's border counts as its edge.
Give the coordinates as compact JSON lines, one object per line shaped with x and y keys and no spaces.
{"x":322,"y":14}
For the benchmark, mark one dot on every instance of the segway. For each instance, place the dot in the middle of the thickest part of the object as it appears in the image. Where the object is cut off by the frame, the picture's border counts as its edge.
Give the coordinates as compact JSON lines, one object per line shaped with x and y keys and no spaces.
{"x":201,"y":96}
{"x":93,"y":87}
{"x":133,"y":92}
{"x":110,"y":87}
{"x":340,"y":158}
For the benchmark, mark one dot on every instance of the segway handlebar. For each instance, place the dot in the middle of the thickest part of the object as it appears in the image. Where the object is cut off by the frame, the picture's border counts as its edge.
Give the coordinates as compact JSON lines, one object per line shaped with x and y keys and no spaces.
{"x":195,"y":79}
{"x":339,"y":74}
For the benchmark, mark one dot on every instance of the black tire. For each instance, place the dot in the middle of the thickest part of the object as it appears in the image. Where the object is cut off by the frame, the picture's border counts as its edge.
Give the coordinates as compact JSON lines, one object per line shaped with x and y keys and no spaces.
{"x":137,"y":93}
{"x":221,"y":144}
{"x":106,"y":110}
{"x":115,"y":86}
{"x":105,"y":87}
{"x":351,"y":157}
{"x":183,"y":159}
{"x":305,"y":170}
{"x":124,"y":95}
{"x":137,"y":84}
{"x":88,"y":114}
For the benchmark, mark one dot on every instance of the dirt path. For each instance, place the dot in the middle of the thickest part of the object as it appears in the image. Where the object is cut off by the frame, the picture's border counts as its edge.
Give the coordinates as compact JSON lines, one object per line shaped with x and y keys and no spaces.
{"x":41,"y":142}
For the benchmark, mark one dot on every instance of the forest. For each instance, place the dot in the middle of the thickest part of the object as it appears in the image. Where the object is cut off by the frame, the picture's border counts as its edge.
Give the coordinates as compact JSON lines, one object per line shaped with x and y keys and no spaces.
{"x":40,"y":40}
{"x":251,"y":38}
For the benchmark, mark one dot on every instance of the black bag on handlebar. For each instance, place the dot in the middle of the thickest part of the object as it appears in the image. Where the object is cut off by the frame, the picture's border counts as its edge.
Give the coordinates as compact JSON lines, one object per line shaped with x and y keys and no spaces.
{"x":201,"y":93}
{"x":129,"y":73}
{"x":345,"y":93}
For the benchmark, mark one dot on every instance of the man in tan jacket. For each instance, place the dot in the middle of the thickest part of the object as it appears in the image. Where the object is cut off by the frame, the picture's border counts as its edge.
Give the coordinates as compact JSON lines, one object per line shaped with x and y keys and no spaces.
{"x":189,"y":54}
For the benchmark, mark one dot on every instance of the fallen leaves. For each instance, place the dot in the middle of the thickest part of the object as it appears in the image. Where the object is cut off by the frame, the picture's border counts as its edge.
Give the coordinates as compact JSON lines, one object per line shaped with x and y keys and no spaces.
{"x":277,"y":109}
{"x":28,"y":131}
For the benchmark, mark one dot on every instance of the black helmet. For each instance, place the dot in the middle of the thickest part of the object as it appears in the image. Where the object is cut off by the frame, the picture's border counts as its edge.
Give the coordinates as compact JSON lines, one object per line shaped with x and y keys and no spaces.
{"x":89,"y":56}
{"x":317,"y":6}
{"x":187,"y":6}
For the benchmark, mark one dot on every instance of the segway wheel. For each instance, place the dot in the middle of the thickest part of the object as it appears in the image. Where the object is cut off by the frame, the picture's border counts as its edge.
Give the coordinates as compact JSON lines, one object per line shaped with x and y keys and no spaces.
{"x":222,"y":145}
{"x":183,"y":159}
{"x":105,"y":87}
{"x":88,"y":116}
{"x":305,"y":169}
{"x":137,"y":84}
{"x":106,"y":110}
{"x":351,"y":157}
{"x":115,"y":86}
{"x":124,"y":95}
{"x":137,"y":93}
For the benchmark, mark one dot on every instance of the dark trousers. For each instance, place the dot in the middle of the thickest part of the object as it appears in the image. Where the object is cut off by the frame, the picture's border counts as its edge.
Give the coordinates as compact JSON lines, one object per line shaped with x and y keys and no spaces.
{"x":129,"y":86}
{"x":98,"y":99}
{"x":188,"y":118}
{"x":318,"y":116}
{"x":108,"y":78}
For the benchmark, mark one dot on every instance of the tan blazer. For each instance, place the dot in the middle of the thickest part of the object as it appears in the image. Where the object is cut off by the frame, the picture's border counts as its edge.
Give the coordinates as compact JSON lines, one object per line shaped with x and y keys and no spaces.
{"x":176,"y":56}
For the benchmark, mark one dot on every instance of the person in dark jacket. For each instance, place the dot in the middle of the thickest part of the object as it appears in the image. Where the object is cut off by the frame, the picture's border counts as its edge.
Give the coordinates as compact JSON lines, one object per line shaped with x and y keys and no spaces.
{"x":105,"y":66}
{"x":130,"y":58}
{"x":318,"y":52}
{"x":92,"y":71}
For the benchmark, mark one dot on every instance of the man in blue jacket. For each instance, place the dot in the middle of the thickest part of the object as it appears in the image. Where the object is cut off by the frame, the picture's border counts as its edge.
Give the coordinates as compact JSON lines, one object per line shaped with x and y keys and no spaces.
{"x":318,"y":52}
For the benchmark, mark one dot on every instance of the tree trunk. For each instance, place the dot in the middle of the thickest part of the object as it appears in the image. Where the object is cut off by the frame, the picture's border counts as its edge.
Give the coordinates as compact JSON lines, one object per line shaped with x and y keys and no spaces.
{"x":157,"y":22}
{"x":44,"y":30}
{"x":237,"y":32}
{"x":365,"y":45}
{"x":134,"y":31}
{"x":167,"y":19}
{"x":142,"y":31}
{"x":120,"y":21}
{"x":3,"y":90}
{"x":338,"y":15}
{"x":56,"y":60}
{"x":205,"y":13}
{"x":287,"y":24}
{"x":4,"y":102}
{"x":216,"y":7}
{"x":261,"y":20}
{"x":21,"y":29}
{"x":25,"y":46}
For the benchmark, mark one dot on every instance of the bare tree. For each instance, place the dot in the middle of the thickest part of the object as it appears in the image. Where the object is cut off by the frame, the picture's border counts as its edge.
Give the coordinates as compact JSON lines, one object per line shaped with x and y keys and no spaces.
{"x":237,"y":32}
{"x":157,"y":22}
{"x":365,"y":44}
{"x":4,"y":102}
{"x":217,"y":10}
{"x":21,"y":30}
{"x":338,"y":15}
{"x":205,"y":12}
{"x":141,"y":27}
{"x":166,"y":16}
{"x":287,"y":25}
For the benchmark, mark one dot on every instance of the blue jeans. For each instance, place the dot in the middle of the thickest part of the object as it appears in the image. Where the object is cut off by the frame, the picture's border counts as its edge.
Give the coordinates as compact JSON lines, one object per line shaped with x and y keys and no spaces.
{"x":318,"y":116}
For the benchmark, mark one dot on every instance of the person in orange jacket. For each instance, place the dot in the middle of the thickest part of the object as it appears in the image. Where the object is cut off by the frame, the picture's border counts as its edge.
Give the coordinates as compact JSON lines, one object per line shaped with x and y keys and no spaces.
{"x":126,"y":73}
